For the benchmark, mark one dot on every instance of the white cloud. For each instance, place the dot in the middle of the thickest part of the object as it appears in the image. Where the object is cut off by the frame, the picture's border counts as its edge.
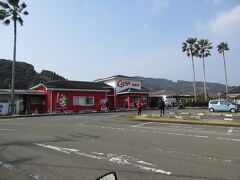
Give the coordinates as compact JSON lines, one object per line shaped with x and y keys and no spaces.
{"x":224,"y":24}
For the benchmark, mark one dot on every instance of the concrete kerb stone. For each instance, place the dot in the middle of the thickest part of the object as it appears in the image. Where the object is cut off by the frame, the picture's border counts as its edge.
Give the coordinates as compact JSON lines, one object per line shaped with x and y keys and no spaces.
{"x":185,"y":113}
{"x":59,"y":114}
{"x":196,"y":117}
{"x":228,"y":119}
{"x":184,"y":121}
{"x":178,"y":117}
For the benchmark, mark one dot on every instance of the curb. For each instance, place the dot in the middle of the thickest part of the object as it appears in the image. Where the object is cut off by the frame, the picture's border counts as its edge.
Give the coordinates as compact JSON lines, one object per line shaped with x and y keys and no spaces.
{"x":188,"y":122}
{"x":64,"y":114}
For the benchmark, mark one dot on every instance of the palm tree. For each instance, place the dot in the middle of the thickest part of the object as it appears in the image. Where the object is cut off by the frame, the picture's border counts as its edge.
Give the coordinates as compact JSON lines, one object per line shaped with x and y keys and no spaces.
{"x":222,"y":47}
{"x":12,"y":11}
{"x":190,"y":49}
{"x":203,"y":47}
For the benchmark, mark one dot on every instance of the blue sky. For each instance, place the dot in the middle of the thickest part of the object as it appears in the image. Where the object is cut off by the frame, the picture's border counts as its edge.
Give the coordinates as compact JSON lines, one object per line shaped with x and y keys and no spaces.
{"x":91,"y":39}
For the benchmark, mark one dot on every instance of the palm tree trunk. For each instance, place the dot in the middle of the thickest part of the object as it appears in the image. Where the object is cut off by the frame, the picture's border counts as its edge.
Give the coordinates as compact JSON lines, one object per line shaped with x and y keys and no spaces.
{"x":194,"y":80}
{"x":13,"y":105}
{"x":204,"y":76}
{"x":225,"y":76}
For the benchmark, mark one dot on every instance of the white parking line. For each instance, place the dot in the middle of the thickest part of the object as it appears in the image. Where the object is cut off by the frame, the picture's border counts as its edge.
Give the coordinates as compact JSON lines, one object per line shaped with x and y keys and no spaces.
{"x":155,"y":131}
{"x":81,"y":124}
{"x":142,"y":124}
{"x":230,"y":130}
{"x":114,"y":158}
{"x":11,"y":168}
{"x":7,"y":130}
{"x":194,"y":155}
{"x":228,"y":139}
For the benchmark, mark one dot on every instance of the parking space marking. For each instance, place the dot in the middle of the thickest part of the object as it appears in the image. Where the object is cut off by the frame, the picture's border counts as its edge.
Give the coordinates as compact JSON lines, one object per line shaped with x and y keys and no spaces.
{"x":7,"y":130}
{"x":228,"y":139}
{"x":144,"y":129}
{"x":114,"y":158}
{"x":199,"y":156}
{"x":230,"y":131}
{"x":142,"y":124}
{"x":82,"y":123}
{"x":12,"y":168}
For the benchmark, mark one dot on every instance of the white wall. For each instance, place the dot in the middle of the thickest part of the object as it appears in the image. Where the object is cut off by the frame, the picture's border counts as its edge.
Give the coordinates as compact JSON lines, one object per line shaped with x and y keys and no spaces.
{"x":4,"y":104}
{"x":4,"y":108}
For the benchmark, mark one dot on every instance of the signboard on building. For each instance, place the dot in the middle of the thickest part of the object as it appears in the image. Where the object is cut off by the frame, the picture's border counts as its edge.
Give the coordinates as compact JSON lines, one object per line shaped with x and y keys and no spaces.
{"x":122,"y":84}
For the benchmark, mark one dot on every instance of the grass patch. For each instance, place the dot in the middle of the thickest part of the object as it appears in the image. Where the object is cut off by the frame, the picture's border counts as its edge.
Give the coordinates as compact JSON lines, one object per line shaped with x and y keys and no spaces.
{"x":173,"y":119}
{"x":127,"y":117}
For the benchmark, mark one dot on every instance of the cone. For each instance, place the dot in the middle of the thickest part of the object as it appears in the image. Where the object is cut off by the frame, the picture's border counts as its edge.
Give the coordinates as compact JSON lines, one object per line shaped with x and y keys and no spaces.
{"x":36,"y":112}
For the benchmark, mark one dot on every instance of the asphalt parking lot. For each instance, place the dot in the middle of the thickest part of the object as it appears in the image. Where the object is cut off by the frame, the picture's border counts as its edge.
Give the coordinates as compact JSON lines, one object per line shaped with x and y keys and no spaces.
{"x":89,"y":145}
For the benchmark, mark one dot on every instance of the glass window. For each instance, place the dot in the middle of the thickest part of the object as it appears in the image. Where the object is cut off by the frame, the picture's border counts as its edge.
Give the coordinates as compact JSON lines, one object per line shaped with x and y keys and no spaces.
{"x":213,"y":102}
{"x":78,"y":101}
{"x":83,"y":101}
{"x":89,"y":101}
{"x":224,"y":103}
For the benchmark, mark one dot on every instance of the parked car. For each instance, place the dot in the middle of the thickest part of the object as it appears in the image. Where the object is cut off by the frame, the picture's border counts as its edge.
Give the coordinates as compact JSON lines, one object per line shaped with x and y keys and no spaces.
{"x":222,"y":105}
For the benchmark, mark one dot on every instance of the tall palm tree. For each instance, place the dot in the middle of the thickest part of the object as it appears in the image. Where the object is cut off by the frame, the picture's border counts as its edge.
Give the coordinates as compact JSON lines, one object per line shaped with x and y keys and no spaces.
{"x":222,"y":47}
{"x":12,"y":11}
{"x":203,"y":47}
{"x":190,"y":48}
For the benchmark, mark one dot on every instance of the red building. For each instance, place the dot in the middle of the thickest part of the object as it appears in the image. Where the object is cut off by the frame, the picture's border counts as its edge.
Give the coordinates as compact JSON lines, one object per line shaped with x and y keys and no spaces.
{"x":114,"y":92}
{"x":75,"y":96}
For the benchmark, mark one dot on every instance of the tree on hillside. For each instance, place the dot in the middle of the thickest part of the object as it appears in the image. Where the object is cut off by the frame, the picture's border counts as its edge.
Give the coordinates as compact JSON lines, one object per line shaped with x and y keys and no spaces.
{"x":45,"y":76}
{"x":203,"y":47}
{"x":12,"y":11}
{"x":190,"y":48}
{"x":222,"y":47}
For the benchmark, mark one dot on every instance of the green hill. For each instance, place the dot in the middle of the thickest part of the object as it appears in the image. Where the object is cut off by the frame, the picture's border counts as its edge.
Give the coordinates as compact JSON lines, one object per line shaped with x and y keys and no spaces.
{"x":182,"y":87}
{"x":26,"y":76}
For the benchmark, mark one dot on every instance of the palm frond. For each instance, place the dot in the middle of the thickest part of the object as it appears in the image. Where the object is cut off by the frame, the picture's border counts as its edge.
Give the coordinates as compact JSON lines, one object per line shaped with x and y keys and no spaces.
{"x":13,"y":12}
{"x":4,"y":5}
{"x":223,"y":46}
{"x":13,"y":2}
{"x":20,"y":21}
{"x":2,"y":14}
{"x":25,"y":13}
{"x":7,"y":22}
{"x":189,"y":46}
{"x":23,"y":5}
{"x":203,"y":46}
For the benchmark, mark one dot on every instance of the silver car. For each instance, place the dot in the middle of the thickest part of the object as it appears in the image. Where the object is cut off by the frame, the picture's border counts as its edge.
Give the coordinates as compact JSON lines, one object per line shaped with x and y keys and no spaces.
{"x":222,"y":105}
